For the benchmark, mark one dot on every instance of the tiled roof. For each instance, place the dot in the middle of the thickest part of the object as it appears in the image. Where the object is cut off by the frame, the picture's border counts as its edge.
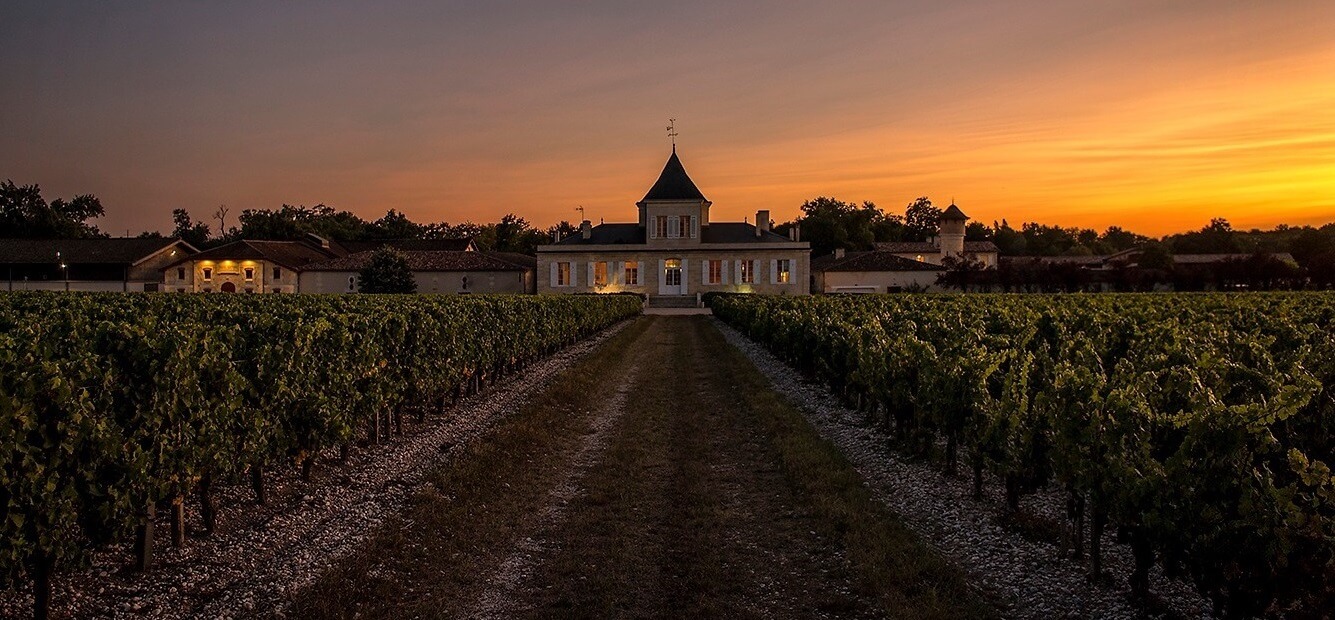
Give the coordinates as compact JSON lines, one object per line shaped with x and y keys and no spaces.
{"x":82,"y":251}
{"x":607,"y":234}
{"x":414,"y":245}
{"x":424,"y":261}
{"x":953,"y":213}
{"x":738,"y":232}
{"x":1053,"y":260}
{"x":523,"y":260}
{"x":875,"y":260}
{"x":1197,"y":259}
{"x":291,"y":254}
{"x":927,"y":247}
{"x":673,"y":183}
{"x":716,"y":232}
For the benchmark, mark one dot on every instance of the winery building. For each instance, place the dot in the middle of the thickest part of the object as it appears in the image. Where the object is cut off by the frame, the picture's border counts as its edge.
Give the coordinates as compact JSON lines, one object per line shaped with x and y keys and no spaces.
{"x":674,"y":249}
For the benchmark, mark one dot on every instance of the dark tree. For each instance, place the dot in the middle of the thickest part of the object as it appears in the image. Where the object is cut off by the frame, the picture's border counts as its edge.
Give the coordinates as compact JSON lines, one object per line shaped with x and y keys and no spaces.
{"x":1115,"y":239}
{"x":388,"y":272}
{"x":1216,"y":238}
{"x":186,"y":229}
{"x":394,"y":225}
{"x":560,"y":230}
{"x":24,"y":214}
{"x":920,"y":219}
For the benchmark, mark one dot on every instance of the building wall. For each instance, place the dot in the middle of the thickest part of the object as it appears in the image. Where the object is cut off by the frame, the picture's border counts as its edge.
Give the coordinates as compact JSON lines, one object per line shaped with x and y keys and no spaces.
{"x":448,"y":282}
{"x":150,"y":270}
{"x":874,"y":281}
{"x":84,"y":286}
{"x":694,"y":264}
{"x":988,"y":259}
{"x":222,"y":272}
{"x":673,"y":210}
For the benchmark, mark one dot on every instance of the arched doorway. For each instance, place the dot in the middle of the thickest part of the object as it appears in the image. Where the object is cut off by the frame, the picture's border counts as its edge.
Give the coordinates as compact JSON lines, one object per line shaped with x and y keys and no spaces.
{"x":228,"y":287}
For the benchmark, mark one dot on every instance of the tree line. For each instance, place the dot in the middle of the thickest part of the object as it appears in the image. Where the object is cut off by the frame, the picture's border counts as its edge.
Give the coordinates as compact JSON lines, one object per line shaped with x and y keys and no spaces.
{"x":826,"y":223}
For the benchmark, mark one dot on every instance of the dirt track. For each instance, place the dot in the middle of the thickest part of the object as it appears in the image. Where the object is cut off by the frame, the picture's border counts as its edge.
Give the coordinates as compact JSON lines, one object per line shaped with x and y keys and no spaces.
{"x":649,"y":483}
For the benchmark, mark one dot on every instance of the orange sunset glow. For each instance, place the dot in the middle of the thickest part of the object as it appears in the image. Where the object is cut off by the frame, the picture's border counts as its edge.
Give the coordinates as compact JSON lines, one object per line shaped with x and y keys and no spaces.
{"x":1154,"y":116}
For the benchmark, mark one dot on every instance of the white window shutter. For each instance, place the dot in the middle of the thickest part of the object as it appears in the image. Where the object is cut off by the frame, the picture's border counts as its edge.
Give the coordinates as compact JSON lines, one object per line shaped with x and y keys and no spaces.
{"x":554,"y":267}
{"x":694,"y":227}
{"x":737,"y":270}
{"x":662,"y":274}
{"x":723,"y":272}
{"x":653,"y":227}
{"x":685,"y":276}
{"x":616,"y":276}
{"x":773,"y":271}
{"x":704,"y":271}
{"x":589,"y":281}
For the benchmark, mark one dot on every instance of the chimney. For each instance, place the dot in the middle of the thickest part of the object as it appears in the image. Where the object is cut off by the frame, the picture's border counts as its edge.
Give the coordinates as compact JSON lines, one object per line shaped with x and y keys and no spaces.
{"x":838,"y":253}
{"x":586,"y":229}
{"x":321,"y":241}
{"x":762,"y":222}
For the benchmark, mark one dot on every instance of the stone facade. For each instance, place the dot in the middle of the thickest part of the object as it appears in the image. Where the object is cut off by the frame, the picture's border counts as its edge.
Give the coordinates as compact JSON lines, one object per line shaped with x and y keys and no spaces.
{"x":674,"y":249}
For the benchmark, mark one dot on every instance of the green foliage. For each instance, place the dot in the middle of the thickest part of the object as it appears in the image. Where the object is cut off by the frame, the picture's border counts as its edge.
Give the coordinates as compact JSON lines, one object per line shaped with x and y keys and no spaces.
{"x":388,"y":272}
{"x":1200,"y":426}
{"x":112,"y":402}
{"x":24,"y":214}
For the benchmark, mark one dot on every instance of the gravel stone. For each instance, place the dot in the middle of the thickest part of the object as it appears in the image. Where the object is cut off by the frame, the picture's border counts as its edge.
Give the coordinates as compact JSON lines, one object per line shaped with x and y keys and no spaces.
{"x":263,"y":552}
{"x":1032,"y":579}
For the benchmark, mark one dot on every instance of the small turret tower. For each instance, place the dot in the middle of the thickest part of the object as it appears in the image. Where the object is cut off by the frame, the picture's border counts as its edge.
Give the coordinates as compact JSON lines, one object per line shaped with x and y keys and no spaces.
{"x":952,"y":232}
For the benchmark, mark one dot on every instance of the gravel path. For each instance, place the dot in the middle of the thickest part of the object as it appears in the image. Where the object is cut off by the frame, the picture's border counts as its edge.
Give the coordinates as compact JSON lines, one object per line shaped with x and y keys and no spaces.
{"x":1034,"y":579}
{"x":498,"y":601}
{"x":274,"y":550}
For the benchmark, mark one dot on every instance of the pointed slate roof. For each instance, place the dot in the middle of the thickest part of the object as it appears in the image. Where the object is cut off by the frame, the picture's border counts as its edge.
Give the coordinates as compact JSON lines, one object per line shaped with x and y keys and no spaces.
{"x":674,"y":183}
{"x":953,"y":213}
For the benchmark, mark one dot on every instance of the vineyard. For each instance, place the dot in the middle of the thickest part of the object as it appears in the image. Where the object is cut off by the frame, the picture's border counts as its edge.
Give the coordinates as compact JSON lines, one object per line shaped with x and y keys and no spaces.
{"x":116,"y":405}
{"x":1197,"y":428}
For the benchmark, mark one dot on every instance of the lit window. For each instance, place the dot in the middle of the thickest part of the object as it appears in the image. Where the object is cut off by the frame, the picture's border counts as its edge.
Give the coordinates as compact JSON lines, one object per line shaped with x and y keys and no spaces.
{"x":715,"y":272}
{"x":563,"y":274}
{"x":748,"y":272}
{"x":600,"y":274}
{"x":632,"y":272}
{"x":180,"y":273}
{"x":277,"y":273}
{"x":785,"y":271}
{"x":250,"y":273}
{"x":208,"y":274}
{"x":672,"y":277}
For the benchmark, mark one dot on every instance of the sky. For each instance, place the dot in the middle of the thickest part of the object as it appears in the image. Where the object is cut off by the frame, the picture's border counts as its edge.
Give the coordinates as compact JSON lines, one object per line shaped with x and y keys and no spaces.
{"x":1151,"y":115}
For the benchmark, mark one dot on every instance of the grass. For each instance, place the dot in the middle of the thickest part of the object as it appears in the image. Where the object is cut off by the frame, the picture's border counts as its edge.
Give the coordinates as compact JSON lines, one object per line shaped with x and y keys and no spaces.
{"x":910,"y":579}
{"x":712,"y":497}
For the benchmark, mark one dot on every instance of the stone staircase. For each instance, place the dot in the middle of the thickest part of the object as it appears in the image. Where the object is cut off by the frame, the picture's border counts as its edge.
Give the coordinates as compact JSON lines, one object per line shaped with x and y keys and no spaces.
{"x":672,"y":301}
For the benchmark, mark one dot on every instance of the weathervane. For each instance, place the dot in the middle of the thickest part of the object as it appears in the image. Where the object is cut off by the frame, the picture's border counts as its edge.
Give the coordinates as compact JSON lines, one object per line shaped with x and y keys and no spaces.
{"x":672,"y":132}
